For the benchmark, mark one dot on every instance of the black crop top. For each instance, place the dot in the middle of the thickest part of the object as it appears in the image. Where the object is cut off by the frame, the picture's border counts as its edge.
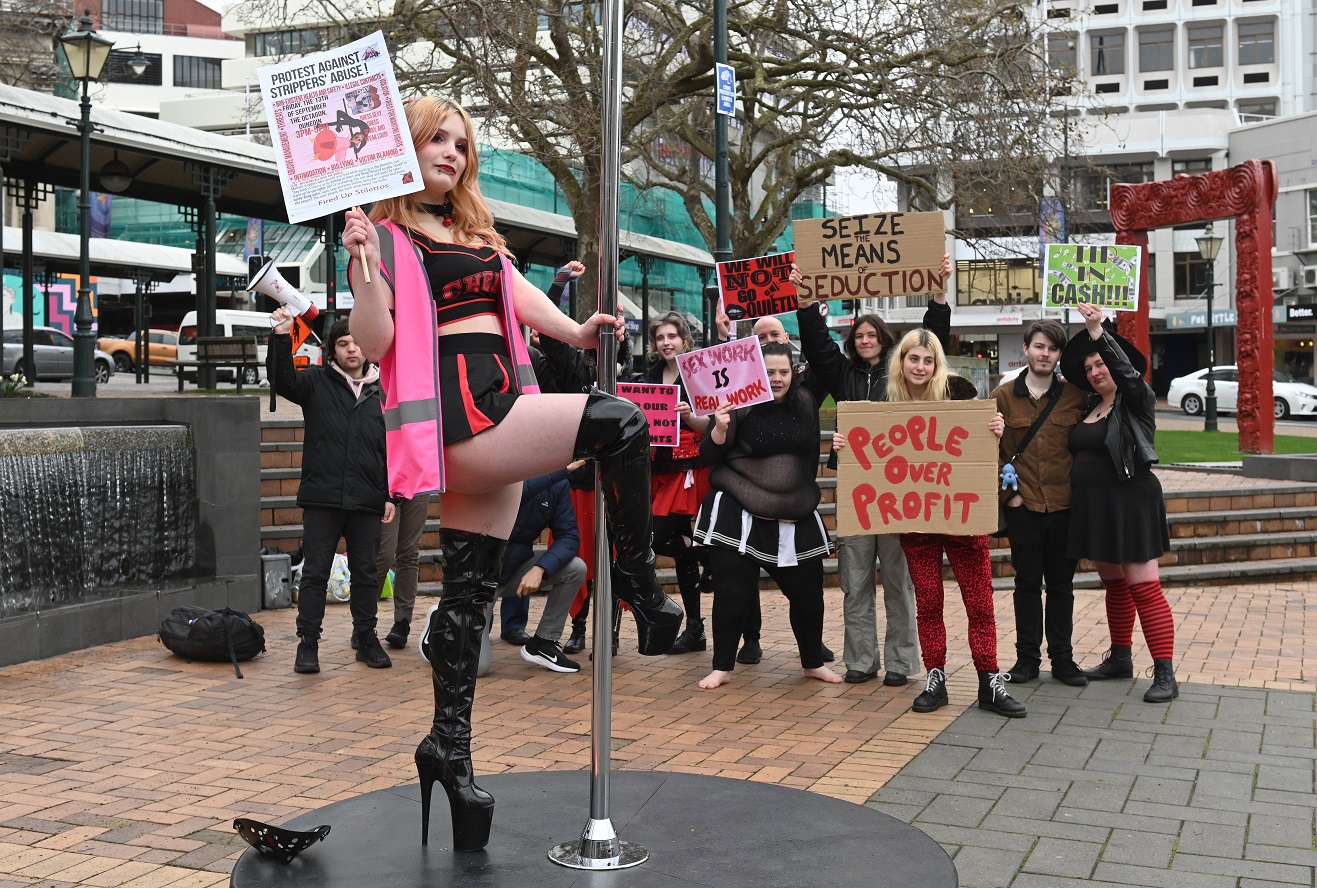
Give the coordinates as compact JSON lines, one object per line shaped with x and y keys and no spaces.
{"x":465,"y":281}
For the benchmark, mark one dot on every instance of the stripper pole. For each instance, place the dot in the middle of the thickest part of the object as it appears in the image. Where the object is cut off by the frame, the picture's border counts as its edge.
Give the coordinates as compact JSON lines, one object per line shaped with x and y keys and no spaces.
{"x":599,"y":847}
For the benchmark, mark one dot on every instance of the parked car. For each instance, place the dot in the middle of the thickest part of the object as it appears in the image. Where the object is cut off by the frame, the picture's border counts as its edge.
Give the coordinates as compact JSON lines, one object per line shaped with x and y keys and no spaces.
{"x":52,"y":351}
{"x":1289,"y":396}
{"x":161,"y":348}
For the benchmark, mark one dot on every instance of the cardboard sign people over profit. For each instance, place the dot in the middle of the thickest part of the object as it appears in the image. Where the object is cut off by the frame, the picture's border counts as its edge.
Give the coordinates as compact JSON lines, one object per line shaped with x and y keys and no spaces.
{"x":871,"y":255}
{"x":756,"y":288}
{"x":1101,"y":275}
{"x":916,"y":467}
{"x":659,"y":402}
{"x":730,"y":373}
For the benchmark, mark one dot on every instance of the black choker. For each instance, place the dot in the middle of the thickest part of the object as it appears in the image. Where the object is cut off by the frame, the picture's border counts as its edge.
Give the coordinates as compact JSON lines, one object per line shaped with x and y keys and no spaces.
{"x":443,"y":211}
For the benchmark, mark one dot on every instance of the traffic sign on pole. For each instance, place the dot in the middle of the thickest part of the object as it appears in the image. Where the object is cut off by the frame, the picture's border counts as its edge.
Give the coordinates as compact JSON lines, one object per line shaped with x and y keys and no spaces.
{"x":726,"y":78}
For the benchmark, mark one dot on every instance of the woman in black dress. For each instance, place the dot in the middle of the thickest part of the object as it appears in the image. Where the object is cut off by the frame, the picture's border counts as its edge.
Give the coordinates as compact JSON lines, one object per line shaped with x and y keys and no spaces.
{"x":763,"y":513}
{"x":1117,"y":512}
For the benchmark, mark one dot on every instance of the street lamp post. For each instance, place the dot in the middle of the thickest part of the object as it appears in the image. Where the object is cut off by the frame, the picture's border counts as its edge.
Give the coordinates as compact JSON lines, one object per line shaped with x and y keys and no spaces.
{"x":86,"y":52}
{"x":1208,"y":246}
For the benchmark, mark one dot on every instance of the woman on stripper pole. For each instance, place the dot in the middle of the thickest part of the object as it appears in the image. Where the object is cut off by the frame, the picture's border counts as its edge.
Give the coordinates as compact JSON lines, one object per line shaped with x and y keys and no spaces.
{"x":763,"y":513}
{"x":438,"y":304}
{"x":1117,"y":512}
{"x":917,"y":371}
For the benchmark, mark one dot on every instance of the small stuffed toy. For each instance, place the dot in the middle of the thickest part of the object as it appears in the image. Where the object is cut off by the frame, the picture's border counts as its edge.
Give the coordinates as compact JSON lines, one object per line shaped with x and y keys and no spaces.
{"x":1009,"y":479}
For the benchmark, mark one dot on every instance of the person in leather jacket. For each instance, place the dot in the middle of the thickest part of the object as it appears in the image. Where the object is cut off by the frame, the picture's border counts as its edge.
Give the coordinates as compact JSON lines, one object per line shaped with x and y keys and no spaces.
{"x":1118,"y":514}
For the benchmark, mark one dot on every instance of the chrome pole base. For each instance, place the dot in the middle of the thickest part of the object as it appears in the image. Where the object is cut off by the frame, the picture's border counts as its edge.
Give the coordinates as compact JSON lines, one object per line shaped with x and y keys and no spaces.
{"x":598,"y":848}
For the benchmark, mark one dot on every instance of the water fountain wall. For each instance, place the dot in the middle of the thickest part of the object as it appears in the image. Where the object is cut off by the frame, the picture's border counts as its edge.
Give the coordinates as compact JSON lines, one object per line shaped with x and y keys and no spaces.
{"x":115,"y":511}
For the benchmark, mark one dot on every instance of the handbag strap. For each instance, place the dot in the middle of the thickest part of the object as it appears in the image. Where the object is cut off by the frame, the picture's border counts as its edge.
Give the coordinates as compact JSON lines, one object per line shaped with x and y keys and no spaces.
{"x":1055,"y":395}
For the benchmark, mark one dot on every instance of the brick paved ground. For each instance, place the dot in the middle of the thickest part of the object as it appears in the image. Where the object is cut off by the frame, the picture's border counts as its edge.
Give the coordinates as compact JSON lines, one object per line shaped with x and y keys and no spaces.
{"x":123,"y":765}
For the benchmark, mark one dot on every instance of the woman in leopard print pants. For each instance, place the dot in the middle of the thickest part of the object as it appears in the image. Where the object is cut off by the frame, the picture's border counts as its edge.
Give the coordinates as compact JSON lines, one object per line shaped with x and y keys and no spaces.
{"x":918,"y":372}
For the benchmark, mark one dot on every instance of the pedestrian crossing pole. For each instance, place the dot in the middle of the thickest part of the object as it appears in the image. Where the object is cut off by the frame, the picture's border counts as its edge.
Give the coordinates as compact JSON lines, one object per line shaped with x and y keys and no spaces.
{"x":599,"y":848}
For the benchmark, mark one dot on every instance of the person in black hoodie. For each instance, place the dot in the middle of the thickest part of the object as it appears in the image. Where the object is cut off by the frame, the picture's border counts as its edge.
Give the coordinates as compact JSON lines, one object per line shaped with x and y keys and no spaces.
{"x":343,"y":491}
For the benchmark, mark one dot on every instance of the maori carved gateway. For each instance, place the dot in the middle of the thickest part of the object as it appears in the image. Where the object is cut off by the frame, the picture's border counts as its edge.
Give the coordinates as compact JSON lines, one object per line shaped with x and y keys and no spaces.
{"x":1248,"y":193}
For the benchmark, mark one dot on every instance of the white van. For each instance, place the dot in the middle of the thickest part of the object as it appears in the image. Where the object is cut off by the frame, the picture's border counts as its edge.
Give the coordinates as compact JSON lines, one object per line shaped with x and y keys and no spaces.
{"x":229,"y":322}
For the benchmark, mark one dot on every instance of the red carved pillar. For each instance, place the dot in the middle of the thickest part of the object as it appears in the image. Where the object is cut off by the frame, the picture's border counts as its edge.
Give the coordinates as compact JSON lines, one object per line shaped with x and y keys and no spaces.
{"x":1248,"y":192}
{"x":1255,"y":340}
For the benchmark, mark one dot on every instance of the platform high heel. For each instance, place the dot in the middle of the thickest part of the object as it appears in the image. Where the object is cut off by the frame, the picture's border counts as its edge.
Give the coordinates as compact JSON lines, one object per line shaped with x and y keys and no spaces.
{"x":472,"y":809}
{"x":451,"y":643}
{"x":615,"y":435}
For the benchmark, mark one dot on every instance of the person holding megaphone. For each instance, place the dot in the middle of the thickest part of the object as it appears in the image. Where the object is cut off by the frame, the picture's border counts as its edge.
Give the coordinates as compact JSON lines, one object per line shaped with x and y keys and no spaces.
{"x":342,"y":493}
{"x":439,"y":304}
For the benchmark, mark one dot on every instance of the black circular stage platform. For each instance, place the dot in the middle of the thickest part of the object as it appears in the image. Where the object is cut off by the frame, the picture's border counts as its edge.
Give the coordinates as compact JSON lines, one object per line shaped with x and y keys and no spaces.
{"x":705,"y":831}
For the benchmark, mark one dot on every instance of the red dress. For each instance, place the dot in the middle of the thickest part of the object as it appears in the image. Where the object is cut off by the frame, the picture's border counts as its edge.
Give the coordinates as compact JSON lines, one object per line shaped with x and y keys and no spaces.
{"x":680,"y":492}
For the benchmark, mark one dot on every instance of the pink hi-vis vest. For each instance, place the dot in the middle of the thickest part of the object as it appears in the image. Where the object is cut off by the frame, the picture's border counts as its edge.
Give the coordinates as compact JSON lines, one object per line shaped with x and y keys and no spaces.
{"x":409,"y":370}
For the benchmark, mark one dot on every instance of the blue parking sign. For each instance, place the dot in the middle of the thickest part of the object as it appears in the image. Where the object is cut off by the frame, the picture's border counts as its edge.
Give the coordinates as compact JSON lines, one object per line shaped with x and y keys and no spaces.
{"x":726,"y":80}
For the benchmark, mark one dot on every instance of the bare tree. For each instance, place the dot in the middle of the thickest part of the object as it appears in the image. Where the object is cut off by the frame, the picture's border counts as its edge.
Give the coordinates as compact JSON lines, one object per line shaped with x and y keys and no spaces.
{"x":28,"y":33}
{"x":909,"y":90}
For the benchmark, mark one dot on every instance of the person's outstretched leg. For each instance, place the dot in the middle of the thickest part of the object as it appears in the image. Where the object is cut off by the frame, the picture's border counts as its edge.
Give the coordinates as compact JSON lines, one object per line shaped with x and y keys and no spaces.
{"x":615,"y":434}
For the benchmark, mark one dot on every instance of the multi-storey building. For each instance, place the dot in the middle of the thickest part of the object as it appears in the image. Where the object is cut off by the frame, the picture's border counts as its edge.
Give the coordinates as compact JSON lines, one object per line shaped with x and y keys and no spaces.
{"x":1159,"y":87}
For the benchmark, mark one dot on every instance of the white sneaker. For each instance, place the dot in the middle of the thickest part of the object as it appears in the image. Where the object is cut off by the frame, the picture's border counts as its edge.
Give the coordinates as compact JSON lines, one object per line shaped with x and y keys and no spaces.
{"x":548,"y":654}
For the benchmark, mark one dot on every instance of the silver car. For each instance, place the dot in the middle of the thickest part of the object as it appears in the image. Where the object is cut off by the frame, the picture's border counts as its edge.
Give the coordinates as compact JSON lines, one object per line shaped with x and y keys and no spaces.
{"x":52,"y":352}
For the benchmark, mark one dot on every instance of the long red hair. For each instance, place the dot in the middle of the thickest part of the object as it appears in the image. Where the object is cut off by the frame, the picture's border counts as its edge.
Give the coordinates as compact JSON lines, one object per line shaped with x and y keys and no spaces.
{"x":472,"y":219}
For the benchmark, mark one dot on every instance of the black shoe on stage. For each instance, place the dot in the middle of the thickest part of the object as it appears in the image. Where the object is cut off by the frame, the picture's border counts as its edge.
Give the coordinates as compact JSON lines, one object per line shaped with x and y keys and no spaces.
{"x":828,"y":655}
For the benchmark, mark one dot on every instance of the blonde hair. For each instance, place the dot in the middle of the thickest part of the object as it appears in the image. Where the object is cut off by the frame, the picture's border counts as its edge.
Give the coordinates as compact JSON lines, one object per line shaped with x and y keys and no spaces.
{"x":936,"y":390}
{"x":472,"y":219}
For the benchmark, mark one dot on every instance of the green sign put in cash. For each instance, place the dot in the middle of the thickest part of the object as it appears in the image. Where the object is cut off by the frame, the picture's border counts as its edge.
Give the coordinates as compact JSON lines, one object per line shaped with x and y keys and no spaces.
{"x":1102,"y":275}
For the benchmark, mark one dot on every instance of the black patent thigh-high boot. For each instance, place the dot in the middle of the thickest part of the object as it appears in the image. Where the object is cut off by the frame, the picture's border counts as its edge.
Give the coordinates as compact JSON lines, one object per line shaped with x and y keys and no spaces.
{"x":615,"y":435}
{"x":451,"y":642}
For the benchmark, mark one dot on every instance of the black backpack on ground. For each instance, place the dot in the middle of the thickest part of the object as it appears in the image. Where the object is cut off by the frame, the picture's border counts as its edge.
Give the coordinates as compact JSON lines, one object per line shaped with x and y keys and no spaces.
{"x":197,"y":633}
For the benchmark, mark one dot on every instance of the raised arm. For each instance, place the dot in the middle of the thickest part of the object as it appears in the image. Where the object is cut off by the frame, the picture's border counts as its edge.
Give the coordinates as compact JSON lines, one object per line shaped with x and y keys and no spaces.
{"x":372,"y":311}
{"x":937,"y":317}
{"x":535,"y":309}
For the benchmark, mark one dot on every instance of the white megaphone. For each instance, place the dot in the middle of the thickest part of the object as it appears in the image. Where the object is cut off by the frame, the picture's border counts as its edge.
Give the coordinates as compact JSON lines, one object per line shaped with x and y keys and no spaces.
{"x":272,"y":284}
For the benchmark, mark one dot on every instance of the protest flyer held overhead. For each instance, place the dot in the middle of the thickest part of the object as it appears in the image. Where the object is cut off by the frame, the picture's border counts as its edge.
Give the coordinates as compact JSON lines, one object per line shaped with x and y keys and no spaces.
{"x":1101,"y":275}
{"x":756,"y":288}
{"x":871,"y":255}
{"x":340,"y":135}
{"x":921,"y":466}
{"x":729,"y":373}
{"x":659,"y":403}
